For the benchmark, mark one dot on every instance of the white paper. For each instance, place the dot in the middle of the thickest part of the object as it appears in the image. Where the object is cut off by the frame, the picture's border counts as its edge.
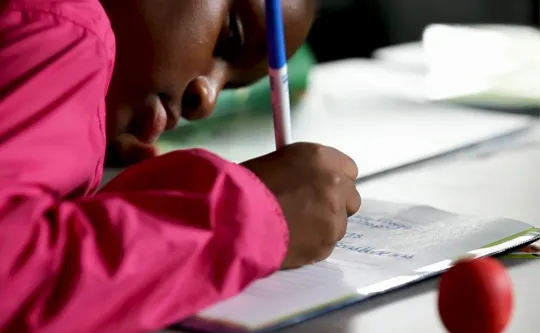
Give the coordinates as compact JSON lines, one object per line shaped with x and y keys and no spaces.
{"x":377,"y":115}
{"x":386,"y":245}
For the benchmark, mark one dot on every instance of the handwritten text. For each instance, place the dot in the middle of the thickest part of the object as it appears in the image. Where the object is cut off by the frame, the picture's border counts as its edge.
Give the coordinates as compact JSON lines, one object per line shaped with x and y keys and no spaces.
{"x":353,"y":235}
{"x":373,"y":251}
{"x":382,"y":223}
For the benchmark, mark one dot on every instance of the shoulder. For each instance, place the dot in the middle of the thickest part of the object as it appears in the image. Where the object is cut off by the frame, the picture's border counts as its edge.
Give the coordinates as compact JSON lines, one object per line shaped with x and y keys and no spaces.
{"x":87,"y":15}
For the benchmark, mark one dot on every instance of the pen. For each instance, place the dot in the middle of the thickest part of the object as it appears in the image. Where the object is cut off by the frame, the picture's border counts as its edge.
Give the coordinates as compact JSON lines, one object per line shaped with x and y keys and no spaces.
{"x":277,"y":72}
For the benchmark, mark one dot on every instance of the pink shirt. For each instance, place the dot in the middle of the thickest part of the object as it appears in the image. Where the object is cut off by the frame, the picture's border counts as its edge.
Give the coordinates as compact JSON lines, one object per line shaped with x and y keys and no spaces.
{"x":149,"y":249}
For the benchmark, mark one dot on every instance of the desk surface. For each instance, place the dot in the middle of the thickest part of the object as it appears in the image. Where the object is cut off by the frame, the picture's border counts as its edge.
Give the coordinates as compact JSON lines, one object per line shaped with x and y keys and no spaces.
{"x":501,"y":180}
{"x":374,"y":113}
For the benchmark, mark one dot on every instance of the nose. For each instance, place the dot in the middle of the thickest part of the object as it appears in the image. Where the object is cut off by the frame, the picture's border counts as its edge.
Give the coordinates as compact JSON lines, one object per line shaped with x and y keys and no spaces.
{"x":201,"y":94}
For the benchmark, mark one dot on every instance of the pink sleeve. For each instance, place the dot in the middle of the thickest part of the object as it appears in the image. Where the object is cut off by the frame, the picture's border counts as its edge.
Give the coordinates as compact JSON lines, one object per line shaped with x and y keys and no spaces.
{"x":165,"y":239}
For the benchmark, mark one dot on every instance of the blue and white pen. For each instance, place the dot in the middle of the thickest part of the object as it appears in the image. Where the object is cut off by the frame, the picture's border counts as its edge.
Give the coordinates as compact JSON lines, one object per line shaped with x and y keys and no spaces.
{"x":277,"y":70}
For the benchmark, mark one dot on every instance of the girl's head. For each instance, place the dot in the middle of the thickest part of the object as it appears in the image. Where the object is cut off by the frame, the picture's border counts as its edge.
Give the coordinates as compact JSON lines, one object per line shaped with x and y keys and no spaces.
{"x":178,"y":54}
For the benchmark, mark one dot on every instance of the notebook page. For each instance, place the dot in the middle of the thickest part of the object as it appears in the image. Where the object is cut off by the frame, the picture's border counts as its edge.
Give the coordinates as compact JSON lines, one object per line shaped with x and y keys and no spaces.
{"x":385,"y":243}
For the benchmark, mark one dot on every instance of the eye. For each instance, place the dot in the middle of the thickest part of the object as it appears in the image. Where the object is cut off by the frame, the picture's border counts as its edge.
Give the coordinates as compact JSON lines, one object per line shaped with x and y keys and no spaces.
{"x":231,"y":39}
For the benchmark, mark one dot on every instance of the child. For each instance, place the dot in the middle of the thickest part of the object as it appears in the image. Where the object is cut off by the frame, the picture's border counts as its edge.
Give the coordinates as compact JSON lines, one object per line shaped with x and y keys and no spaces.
{"x":172,"y":234}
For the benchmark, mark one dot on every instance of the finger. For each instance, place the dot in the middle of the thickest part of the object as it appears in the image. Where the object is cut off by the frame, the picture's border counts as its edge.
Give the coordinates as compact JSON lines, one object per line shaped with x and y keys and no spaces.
{"x":342,"y":218}
{"x":344,"y":162}
{"x":346,"y":201}
{"x":127,"y":150}
{"x":353,"y":200}
{"x":324,"y":254}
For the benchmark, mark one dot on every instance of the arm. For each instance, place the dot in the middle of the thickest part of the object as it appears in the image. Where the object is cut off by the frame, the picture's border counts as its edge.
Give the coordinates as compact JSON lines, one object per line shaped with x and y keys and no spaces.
{"x":165,"y":239}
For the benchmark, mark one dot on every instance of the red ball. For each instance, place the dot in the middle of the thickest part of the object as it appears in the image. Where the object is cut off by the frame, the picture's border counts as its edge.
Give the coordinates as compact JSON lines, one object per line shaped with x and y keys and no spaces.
{"x":475,"y":296}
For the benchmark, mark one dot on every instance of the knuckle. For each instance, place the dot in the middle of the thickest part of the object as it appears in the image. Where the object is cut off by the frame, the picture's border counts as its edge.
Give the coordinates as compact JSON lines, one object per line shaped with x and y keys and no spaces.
{"x":316,"y":152}
{"x":334,"y":203}
{"x":313,"y":150}
{"x":350,"y":166}
{"x":329,"y":187}
{"x":333,"y":179}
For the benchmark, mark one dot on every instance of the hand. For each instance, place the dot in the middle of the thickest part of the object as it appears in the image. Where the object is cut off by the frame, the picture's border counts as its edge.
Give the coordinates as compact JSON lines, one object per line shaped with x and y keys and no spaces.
{"x":315,"y":186}
{"x":126,"y":150}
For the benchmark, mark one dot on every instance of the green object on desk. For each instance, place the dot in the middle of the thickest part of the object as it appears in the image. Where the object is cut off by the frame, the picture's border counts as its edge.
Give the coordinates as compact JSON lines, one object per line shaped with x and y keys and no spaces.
{"x":249,"y":100}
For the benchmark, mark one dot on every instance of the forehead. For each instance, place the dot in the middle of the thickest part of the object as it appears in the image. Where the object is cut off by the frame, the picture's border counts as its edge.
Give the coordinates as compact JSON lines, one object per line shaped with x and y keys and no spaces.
{"x":208,"y":9}
{"x":195,"y":14}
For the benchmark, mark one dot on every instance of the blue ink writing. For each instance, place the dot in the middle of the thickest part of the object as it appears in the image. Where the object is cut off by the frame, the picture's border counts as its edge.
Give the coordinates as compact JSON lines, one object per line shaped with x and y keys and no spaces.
{"x":373,"y":251}
{"x":353,"y":235}
{"x":382,"y":223}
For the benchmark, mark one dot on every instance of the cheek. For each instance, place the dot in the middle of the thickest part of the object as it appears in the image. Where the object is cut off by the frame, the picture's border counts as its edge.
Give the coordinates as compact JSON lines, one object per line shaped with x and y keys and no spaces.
{"x":245,"y":77}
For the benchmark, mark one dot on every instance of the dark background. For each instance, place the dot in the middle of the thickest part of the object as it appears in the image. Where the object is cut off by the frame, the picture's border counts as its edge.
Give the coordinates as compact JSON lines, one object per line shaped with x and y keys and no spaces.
{"x":355,"y":28}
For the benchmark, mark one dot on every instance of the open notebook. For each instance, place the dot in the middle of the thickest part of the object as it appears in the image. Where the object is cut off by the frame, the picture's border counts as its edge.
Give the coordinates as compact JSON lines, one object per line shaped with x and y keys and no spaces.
{"x":387,"y":246}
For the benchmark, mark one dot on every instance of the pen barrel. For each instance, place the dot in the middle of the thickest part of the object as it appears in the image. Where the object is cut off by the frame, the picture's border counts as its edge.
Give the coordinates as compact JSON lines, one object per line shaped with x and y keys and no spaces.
{"x":279,"y":85}
{"x":275,"y":33}
{"x":277,"y":71}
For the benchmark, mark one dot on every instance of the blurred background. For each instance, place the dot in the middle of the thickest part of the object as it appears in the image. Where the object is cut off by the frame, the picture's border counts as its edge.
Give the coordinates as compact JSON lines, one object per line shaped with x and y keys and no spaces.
{"x":356,"y":28}
{"x":400,"y":80}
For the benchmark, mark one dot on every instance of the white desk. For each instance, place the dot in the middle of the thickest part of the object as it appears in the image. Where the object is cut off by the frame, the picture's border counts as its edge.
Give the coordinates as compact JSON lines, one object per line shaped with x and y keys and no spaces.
{"x":502,"y":181}
{"x":374,"y":113}
{"x":495,"y":179}
{"x":506,"y":183}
